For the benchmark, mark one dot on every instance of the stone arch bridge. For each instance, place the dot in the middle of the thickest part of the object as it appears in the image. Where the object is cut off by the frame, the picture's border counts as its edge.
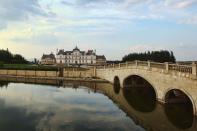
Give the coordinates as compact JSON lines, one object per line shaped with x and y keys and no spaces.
{"x":163,"y":77}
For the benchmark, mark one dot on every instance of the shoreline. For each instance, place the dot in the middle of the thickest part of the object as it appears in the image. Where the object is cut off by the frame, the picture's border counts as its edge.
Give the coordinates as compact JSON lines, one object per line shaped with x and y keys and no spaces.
{"x":58,"y":78}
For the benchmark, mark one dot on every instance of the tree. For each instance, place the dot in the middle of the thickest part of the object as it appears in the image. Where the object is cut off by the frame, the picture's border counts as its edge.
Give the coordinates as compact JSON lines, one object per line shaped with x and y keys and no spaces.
{"x":157,"y":56}
{"x":8,"y":58}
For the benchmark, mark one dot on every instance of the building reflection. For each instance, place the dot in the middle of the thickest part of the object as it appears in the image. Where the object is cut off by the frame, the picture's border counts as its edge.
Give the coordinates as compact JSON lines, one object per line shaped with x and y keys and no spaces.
{"x":137,"y":99}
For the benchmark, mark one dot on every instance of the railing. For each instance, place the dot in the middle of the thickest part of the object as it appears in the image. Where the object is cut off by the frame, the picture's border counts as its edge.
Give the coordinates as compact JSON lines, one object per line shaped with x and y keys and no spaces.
{"x":131,"y":63}
{"x":181,"y":68}
{"x":190,"y":69}
{"x":158,"y":65}
{"x":142,"y":63}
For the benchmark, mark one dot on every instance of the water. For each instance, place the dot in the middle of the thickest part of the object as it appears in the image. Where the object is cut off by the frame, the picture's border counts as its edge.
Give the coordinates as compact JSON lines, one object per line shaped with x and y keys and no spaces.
{"x":83,"y":106}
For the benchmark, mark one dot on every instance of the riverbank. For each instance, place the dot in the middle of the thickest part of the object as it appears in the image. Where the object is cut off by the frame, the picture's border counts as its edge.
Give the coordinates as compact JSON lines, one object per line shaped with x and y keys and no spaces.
{"x":63,"y":72}
{"x":7,"y":77}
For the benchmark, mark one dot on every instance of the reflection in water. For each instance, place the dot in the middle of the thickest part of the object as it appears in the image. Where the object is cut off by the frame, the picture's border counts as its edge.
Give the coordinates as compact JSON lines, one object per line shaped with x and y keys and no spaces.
{"x":74,"y":107}
{"x":29,"y":107}
{"x":139,"y":93}
{"x":180,"y":115}
{"x":4,"y":84}
{"x":17,"y":119}
{"x":179,"y":109}
{"x":116,"y":85}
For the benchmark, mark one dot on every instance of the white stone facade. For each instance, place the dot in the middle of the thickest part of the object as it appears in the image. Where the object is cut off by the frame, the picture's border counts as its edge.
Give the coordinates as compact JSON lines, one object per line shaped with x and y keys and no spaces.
{"x":76,"y":57}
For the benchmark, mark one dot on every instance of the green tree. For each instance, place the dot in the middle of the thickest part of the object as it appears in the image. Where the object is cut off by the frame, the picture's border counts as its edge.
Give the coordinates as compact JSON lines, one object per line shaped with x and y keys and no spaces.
{"x":157,"y":56}
{"x":8,"y":58}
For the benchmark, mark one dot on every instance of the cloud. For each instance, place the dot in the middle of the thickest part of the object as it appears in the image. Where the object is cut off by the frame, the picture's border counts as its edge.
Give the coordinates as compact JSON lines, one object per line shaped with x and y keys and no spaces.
{"x":191,"y":20}
{"x":20,"y":10}
{"x":180,"y":4}
{"x":134,"y":10}
{"x":102,"y":3}
{"x":40,"y":39}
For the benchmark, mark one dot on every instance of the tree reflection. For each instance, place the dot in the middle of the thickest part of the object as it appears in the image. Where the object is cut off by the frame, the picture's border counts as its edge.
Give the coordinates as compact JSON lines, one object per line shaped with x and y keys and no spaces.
{"x":4,"y":84}
{"x":139,"y":94}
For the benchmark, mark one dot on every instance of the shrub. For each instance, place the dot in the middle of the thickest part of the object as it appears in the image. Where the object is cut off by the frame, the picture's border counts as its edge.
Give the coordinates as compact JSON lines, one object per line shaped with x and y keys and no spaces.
{"x":1,"y":64}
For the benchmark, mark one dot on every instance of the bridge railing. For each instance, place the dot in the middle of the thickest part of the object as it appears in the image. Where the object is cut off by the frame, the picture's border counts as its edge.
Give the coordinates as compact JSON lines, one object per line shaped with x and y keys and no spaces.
{"x":142,"y":63}
{"x":181,"y":68}
{"x":131,"y":63}
{"x":189,"y":69}
{"x":158,"y":65}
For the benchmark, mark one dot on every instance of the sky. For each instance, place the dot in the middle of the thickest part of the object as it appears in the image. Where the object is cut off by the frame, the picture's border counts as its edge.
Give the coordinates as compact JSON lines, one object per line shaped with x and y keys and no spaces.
{"x":112,"y":27}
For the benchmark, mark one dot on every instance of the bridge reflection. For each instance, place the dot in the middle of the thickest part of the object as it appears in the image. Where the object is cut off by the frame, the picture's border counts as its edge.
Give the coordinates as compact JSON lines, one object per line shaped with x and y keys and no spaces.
{"x":137,"y":100}
{"x":139,"y":93}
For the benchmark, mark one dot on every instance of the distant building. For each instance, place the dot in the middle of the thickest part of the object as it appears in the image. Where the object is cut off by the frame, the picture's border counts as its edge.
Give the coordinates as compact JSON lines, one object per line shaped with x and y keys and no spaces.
{"x":100,"y":60}
{"x":77,"y":57}
{"x":48,"y":59}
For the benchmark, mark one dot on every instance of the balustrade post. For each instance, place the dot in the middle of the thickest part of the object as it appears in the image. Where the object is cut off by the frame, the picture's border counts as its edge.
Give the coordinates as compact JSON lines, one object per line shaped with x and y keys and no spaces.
{"x":119,"y":66}
{"x":94,"y":71}
{"x":194,"y":69}
{"x":113,"y":66}
{"x":149,"y":65}
{"x":166,"y":67}
{"x":126,"y":64}
{"x":136,"y":63}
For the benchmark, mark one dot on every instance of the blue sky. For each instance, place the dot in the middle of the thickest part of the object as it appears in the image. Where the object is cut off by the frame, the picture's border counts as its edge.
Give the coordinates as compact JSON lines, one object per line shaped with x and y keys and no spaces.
{"x":112,"y":27}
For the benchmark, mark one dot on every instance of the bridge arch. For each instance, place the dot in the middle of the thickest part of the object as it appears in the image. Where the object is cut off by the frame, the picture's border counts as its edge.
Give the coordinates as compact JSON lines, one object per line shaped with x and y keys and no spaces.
{"x":139,"y":93}
{"x":143,"y":78}
{"x":179,"y":91}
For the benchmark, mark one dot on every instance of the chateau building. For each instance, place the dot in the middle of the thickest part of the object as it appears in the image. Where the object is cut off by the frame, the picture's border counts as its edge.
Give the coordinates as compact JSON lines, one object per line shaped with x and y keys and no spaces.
{"x":100,"y":60}
{"x":48,"y":59}
{"x":77,"y":57}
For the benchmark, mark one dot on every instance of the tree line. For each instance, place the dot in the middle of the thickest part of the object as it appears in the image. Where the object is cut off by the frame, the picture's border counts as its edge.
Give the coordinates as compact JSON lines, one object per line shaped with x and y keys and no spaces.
{"x":6,"y":57}
{"x":156,"y":56}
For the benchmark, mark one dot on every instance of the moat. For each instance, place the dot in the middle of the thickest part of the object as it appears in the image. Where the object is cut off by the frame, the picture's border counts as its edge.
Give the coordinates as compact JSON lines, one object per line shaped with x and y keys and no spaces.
{"x":51,"y":105}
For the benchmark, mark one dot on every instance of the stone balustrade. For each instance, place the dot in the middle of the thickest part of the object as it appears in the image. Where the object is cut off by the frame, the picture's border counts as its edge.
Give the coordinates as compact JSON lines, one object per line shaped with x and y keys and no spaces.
{"x":168,"y":67}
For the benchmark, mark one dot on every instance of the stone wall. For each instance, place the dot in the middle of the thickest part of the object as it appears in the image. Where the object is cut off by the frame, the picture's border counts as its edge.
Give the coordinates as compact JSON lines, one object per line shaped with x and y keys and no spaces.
{"x":29,"y":73}
{"x":67,"y":73}
{"x":79,"y":74}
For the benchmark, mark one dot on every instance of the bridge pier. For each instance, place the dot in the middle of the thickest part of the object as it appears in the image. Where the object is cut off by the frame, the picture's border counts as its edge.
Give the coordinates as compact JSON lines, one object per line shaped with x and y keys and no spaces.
{"x":194,"y":70}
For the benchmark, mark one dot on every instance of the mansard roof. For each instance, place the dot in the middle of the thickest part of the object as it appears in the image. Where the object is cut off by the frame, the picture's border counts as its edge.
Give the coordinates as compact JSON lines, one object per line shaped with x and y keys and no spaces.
{"x":67,"y":52}
{"x":90,"y":52}
{"x":101,"y":57}
{"x":51,"y":56}
{"x":61,"y":52}
{"x":76,"y":49}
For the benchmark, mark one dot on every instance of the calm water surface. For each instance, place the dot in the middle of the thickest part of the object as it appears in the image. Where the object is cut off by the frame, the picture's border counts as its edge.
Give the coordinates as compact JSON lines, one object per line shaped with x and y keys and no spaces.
{"x":84,"y":107}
